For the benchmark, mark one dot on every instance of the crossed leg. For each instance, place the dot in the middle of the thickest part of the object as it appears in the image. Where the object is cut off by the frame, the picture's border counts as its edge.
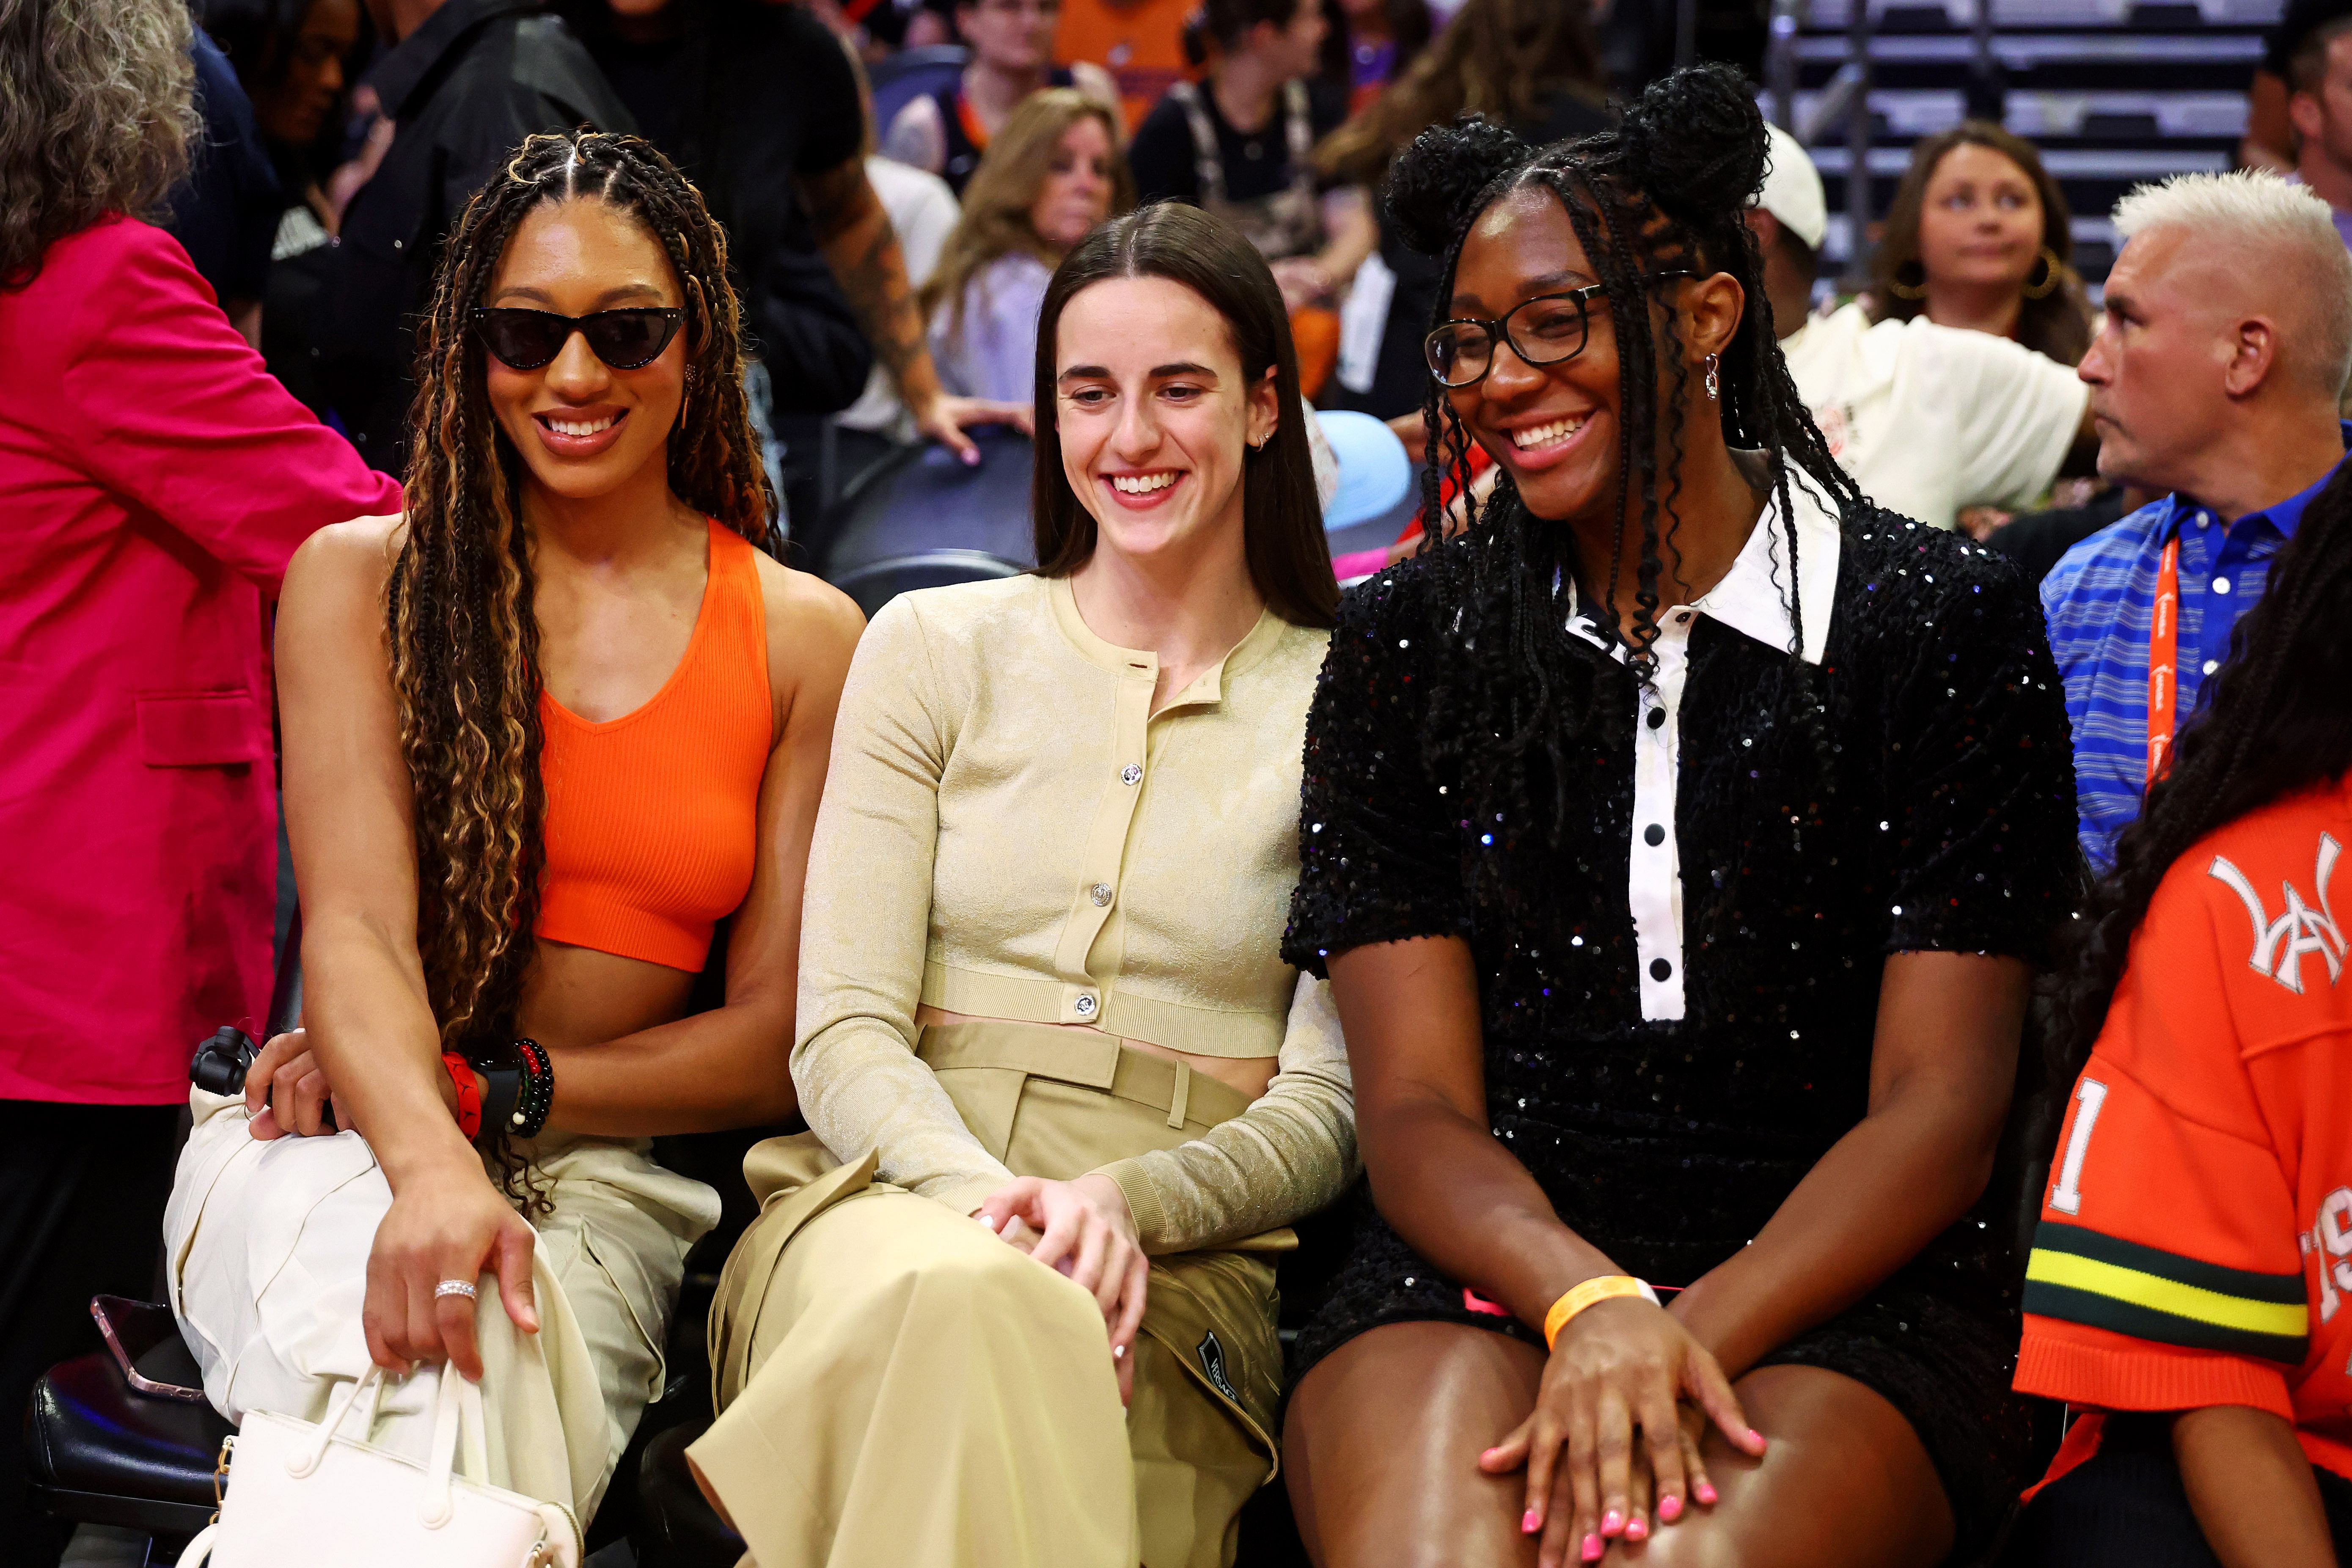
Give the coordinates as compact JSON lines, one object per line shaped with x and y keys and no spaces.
{"x":1382,"y":1439}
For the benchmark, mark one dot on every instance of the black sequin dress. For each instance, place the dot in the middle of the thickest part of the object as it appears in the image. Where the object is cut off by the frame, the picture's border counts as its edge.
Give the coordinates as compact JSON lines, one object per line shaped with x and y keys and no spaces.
{"x":1669,"y":1142}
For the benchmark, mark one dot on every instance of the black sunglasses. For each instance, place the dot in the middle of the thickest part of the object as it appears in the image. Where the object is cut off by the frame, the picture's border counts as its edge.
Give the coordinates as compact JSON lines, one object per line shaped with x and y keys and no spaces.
{"x":1556,"y":328}
{"x":624,"y":339}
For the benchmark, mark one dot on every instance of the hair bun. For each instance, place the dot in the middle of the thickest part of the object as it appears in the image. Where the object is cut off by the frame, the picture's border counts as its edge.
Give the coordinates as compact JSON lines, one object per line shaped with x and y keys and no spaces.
{"x":1433,"y":187}
{"x":1694,"y":142}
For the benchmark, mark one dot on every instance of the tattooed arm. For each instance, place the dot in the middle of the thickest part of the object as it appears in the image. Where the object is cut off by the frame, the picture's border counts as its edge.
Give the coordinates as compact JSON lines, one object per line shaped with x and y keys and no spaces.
{"x":855,"y":233}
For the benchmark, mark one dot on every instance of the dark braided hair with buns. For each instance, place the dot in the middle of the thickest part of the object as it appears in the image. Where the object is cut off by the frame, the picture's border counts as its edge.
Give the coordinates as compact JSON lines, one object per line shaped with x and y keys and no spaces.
{"x":459,"y":606}
{"x":1665,"y":191}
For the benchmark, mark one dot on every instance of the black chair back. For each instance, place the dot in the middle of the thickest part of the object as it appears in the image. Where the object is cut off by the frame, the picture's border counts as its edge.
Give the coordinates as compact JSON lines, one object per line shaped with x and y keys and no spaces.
{"x":909,"y":75}
{"x":930,"y":500}
{"x":876,"y":585}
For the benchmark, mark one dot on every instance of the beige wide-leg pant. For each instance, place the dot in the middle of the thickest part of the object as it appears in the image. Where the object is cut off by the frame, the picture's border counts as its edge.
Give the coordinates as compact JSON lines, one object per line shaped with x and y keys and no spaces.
{"x":898,"y":1386}
{"x":269,"y":1244}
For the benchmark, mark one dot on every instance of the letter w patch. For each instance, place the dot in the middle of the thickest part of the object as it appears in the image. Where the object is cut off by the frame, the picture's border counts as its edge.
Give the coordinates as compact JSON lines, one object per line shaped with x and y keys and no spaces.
{"x":2280,"y":945}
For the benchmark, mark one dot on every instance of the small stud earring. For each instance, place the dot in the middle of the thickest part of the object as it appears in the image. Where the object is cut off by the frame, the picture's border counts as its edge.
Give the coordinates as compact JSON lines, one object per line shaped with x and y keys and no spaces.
{"x":1713,"y":376}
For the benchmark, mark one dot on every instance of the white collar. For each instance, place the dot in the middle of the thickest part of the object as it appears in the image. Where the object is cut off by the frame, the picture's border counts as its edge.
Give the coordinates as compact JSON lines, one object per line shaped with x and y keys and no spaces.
{"x":1750,"y":599}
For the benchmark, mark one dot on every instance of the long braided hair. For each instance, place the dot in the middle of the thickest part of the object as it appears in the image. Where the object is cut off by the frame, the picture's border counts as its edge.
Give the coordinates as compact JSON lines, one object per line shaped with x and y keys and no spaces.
{"x":1665,"y":191}
{"x":459,"y":606}
{"x":2274,"y":722}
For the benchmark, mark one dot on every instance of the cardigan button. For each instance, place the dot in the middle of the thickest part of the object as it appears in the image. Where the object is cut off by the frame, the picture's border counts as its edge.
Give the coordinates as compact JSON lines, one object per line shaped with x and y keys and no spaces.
{"x":1086,"y":1004}
{"x":1131,"y":774}
{"x":1100,"y":893}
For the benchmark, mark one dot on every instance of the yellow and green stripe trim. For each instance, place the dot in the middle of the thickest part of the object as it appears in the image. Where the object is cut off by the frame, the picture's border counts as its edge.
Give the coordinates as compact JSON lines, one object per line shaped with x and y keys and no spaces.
{"x":2085,"y":1277}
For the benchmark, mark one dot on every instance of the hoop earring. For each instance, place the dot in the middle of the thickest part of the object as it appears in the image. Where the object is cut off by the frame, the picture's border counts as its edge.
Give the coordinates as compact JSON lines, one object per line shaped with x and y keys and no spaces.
{"x":1714,"y":377}
{"x":2053,"y":272}
{"x":1902,"y":290}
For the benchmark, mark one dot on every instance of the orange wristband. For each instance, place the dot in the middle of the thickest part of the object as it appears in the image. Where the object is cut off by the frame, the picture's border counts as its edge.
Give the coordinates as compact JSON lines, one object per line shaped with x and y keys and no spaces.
{"x":1601,"y":1287}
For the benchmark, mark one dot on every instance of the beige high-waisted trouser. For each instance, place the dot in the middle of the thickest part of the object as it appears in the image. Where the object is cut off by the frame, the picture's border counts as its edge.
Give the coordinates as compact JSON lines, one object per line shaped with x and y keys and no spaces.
{"x":268,"y":1245}
{"x":898,"y":1386}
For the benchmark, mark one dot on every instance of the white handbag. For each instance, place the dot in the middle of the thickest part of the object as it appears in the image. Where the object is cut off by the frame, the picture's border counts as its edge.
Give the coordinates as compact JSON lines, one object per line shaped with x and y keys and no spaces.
{"x":300,"y":1494}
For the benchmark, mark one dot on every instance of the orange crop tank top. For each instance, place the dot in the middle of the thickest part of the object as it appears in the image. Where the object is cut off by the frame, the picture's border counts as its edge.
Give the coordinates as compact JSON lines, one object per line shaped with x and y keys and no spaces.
{"x":652,"y":823}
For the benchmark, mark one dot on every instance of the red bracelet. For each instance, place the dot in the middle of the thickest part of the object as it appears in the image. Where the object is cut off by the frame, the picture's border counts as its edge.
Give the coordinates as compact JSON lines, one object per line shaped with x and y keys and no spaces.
{"x":470,"y":1094}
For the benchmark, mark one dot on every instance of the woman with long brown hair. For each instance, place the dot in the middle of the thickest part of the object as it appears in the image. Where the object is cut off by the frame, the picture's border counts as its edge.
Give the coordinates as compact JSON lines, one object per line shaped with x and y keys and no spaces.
{"x":1980,"y":238}
{"x":1041,"y":990}
{"x":1053,"y":173}
{"x":543,"y":733}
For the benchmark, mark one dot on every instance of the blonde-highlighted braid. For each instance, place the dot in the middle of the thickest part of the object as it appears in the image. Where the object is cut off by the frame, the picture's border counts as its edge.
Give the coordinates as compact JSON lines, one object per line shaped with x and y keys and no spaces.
{"x":459,"y":611}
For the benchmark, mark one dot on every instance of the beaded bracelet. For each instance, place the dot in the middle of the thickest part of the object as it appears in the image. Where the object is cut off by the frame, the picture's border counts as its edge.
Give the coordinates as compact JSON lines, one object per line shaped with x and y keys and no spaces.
{"x":537,"y":1094}
{"x":470,"y":1094}
{"x":1591,"y":1292}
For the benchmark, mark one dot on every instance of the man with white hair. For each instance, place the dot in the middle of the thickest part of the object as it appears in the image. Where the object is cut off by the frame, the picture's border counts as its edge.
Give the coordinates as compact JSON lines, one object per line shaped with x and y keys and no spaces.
{"x":1929,"y":420}
{"x":2214,"y":383}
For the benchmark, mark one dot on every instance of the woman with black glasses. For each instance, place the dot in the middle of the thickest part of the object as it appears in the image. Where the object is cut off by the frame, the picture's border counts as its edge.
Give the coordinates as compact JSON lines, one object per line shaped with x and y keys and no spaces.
{"x":544,"y":732}
{"x":1679,"y":842}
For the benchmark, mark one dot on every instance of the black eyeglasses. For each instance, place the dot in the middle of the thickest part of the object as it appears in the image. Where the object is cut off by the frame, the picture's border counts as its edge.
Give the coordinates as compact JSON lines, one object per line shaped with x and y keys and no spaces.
{"x":1555,"y":328}
{"x":525,"y":340}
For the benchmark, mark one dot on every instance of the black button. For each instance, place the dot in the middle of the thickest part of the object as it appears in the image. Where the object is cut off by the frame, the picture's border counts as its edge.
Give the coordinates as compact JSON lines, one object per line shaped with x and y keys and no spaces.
{"x":1653,"y":835}
{"x":1657,"y":717}
{"x":1660,"y":969}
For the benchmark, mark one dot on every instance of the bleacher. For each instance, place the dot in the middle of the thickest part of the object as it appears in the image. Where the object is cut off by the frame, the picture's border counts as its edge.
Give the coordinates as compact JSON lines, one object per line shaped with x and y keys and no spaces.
{"x":2114,"y":92}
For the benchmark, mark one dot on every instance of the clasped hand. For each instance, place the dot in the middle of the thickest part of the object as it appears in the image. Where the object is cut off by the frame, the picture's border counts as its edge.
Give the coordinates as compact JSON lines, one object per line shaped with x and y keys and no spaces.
{"x":1626,"y":1397}
{"x":1084,"y":1230}
{"x":285,"y":1091}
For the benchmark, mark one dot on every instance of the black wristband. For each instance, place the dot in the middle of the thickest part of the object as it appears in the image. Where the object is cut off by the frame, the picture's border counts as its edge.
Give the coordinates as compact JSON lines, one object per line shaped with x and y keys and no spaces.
{"x":538,"y":1096}
{"x":501,"y":1093}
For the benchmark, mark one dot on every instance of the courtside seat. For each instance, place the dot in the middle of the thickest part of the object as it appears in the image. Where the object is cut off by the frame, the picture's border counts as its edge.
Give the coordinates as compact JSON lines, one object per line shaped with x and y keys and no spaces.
{"x":677,"y":1526}
{"x":104,"y":1451}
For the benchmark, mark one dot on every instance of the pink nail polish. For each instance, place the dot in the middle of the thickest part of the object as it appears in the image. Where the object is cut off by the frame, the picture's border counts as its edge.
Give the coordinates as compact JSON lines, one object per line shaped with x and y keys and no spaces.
{"x":1706,"y":1494}
{"x":1530,"y":1521}
{"x":1670,"y":1508}
{"x":1755,"y":1436}
{"x":1591,"y":1550}
{"x":1612,"y":1522}
{"x":1637,"y":1529}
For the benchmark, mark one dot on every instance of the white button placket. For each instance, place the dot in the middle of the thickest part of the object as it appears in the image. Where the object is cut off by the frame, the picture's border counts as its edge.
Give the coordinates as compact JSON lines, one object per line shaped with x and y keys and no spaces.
{"x":1653,"y":877}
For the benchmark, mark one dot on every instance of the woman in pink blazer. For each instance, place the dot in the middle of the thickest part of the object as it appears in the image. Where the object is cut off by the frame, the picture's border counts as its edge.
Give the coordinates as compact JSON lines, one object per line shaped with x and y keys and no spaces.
{"x":154,"y":481}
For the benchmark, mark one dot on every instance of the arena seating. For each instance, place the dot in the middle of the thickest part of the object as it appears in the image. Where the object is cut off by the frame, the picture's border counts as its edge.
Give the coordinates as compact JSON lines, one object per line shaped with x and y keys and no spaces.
{"x":2113,"y":92}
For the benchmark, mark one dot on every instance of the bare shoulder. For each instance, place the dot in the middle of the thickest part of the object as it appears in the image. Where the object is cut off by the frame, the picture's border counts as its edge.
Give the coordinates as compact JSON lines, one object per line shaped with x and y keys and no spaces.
{"x":336,"y":578}
{"x":345,"y":557}
{"x":812,"y":627}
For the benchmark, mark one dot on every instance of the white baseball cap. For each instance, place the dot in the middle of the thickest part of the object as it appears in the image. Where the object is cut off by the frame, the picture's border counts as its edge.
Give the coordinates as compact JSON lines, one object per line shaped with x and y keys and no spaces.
{"x":1792,"y":188}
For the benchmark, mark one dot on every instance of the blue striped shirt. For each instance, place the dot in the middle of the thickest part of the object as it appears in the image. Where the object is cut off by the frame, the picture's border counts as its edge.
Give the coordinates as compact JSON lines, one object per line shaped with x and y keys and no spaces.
{"x":2099,"y":601}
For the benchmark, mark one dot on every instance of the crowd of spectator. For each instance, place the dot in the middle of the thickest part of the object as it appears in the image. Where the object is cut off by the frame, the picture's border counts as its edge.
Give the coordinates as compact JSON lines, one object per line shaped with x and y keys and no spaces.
{"x":280,"y":273}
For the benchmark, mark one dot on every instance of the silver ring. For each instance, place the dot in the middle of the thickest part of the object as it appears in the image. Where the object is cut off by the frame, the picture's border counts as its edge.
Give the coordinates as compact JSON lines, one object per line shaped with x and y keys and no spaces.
{"x":454,"y":1288}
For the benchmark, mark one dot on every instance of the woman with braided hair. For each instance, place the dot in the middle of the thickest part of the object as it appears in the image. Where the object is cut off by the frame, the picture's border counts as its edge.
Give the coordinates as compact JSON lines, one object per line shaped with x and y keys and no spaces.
{"x":1679,"y":842}
{"x":542,"y":732}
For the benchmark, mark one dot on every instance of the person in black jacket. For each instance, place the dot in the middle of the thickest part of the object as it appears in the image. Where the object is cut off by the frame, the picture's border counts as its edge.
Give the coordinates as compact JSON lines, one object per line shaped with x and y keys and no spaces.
{"x":758,"y":103}
{"x":224,"y":213}
{"x":725,"y":91}
{"x":465,"y":82}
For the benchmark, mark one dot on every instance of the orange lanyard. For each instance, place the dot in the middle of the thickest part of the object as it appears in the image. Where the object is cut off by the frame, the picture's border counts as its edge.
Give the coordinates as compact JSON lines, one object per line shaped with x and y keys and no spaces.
{"x":974,"y":131}
{"x":2163,"y":656}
